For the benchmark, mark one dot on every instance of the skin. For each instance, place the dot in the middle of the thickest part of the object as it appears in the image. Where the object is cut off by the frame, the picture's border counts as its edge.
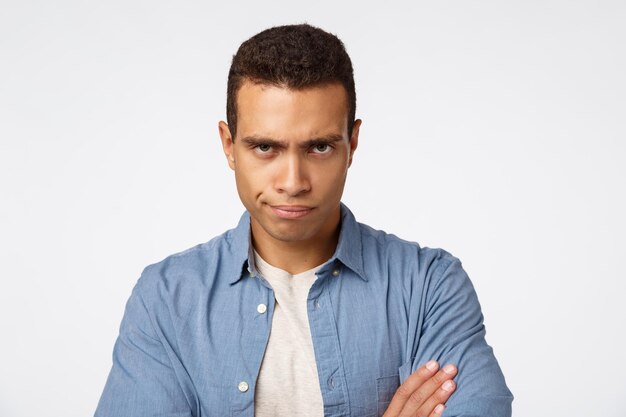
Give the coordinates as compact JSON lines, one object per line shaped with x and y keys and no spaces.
{"x":277,"y":166}
{"x":424,"y":392}
{"x":291,"y":157}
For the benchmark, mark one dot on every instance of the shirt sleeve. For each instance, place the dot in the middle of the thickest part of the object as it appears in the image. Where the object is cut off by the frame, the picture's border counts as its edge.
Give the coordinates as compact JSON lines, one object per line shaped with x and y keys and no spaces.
{"x":452,"y":331}
{"x":142,"y":381}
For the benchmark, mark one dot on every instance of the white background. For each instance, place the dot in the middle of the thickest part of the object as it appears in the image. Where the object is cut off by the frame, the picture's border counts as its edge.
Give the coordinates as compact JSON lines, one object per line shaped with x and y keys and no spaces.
{"x":493,"y":129}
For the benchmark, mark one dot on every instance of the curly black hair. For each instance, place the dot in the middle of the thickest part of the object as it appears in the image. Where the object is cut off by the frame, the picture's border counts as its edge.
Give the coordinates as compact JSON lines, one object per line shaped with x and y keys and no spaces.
{"x":291,"y":56}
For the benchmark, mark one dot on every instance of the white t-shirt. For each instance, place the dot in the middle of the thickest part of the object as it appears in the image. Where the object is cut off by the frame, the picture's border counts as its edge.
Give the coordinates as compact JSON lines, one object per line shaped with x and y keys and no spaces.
{"x":288,"y":383}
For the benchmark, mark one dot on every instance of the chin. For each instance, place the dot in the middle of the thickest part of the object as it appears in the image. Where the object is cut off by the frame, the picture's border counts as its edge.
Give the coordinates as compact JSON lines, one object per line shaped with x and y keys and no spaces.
{"x":290,"y":234}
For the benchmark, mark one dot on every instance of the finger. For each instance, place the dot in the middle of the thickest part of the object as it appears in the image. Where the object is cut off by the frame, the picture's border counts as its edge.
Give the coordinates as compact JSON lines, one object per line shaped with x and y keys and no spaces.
{"x":440,"y":396}
{"x":428,"y":388}
{"x":437,"y":411}
{"x":413,"y":382}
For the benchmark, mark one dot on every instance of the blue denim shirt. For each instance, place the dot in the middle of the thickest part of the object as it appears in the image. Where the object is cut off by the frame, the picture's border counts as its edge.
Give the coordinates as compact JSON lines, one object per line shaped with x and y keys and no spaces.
{"x":379,"y":308}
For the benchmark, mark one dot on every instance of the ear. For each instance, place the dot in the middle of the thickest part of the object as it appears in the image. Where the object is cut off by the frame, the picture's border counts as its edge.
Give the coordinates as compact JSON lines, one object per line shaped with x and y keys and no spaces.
{"x":227,"y":143}
{"x":354,"y":139}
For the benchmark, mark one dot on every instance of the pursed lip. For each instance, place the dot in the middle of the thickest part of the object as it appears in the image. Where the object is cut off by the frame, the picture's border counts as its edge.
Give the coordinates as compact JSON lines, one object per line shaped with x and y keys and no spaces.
{"x":291,"y":211}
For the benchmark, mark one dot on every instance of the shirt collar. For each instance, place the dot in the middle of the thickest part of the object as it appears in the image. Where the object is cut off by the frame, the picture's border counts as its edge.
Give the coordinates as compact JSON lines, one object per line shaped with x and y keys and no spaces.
{"x":349,"y":247}
{"x":348,"y":251}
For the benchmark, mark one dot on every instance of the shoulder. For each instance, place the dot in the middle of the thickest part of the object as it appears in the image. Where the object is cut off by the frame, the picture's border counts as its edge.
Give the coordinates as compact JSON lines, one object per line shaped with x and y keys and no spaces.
{"x":395,"y":249}
{"x":430,"y":275}
{"x":188,"y":268}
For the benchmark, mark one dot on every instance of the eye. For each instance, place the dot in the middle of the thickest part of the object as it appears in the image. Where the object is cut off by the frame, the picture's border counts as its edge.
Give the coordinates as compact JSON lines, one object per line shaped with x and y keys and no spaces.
{"x":321,"y":148}
{"x":263,"y":148}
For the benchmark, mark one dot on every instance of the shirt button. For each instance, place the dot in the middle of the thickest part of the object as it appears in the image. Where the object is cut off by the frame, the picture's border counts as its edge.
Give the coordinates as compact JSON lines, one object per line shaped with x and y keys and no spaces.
{"x":317,"y":304}
{"x":261,"y":308}
{"x":336,"y":273}
{"x":243,"y":386}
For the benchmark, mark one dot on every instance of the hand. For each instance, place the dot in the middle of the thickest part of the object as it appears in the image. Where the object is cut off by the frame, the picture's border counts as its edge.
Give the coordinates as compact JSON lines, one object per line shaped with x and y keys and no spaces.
{"x":423,"y":393}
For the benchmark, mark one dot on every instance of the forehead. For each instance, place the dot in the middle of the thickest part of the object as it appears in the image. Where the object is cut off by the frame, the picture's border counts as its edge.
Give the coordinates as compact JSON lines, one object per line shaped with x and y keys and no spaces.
{"x":284,"y":113}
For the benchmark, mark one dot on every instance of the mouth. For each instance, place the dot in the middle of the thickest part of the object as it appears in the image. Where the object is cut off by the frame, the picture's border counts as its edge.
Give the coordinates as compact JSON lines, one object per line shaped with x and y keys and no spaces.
{"x":291,"y":212}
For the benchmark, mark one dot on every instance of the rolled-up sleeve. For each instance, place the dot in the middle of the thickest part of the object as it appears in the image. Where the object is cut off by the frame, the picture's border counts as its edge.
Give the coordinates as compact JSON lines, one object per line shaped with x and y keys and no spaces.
{"x":142,"y":381}
{"x":453,"y":331}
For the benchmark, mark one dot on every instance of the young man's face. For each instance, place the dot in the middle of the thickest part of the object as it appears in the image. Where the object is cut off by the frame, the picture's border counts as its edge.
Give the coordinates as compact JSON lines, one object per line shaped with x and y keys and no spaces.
{"x":291,"y":157}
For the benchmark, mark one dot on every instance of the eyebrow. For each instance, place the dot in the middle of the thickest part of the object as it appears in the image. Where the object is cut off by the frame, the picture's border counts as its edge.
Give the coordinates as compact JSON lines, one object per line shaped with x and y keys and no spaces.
{"x":255,"y":140}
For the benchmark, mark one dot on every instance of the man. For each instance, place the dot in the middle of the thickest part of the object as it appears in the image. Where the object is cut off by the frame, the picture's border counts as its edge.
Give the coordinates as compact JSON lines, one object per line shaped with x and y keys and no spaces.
{"x":300,"y":310}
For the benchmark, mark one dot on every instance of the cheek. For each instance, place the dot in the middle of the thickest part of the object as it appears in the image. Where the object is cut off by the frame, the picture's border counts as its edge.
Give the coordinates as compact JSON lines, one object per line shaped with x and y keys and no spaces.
{"x":251,"y":177}
{"x":332,"y":177}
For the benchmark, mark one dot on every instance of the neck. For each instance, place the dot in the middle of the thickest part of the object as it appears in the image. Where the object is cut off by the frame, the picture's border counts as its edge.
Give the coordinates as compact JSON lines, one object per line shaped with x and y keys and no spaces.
{"x":300,"y":255}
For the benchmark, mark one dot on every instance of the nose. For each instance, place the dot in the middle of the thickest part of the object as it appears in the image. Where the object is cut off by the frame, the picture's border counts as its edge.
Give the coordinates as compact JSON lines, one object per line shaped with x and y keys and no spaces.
{"x":292,"y":178}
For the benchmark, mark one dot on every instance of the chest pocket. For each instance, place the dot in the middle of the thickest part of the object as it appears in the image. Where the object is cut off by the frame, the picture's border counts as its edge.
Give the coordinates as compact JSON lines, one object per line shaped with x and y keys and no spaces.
{"x":386,"y":387}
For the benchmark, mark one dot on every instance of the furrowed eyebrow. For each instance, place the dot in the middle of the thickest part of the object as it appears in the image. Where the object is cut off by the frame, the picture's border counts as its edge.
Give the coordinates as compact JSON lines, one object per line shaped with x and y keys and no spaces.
{"x":328,"y":139}
{"x":255,"y":140}
{"x":259,"y":140}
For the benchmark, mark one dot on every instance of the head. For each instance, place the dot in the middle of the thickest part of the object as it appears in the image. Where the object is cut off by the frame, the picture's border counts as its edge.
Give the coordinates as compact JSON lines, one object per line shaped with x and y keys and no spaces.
{"x":294,"y":57}
{"x":291,"y":132}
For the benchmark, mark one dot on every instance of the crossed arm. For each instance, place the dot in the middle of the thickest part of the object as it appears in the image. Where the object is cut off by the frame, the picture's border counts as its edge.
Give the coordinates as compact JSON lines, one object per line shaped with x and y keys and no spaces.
{"x":144,"y":378}
{"x":451,"y":331}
